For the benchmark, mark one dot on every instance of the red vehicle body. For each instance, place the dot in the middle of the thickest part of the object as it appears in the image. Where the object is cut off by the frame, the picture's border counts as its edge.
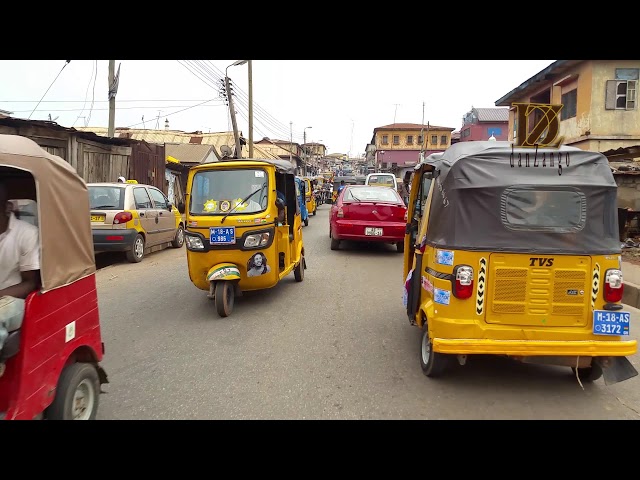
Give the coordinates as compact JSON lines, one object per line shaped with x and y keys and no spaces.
{"x":49,"y":366}
{"x":368,"y":213}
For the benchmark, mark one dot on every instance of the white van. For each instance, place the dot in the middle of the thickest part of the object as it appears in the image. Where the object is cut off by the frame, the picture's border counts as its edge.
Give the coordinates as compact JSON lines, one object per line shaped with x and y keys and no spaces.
{"x":384,"y":179}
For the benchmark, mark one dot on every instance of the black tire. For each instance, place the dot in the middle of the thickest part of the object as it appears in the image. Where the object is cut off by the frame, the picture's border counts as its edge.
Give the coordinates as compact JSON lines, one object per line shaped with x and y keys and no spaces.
{"x":306,"y":222}
{"x":178,"y":240}
{"x":225,"y":297}
{"x":298,"y":272}
{"x":433,"y":364}
{"x":79,"y":378}
{"x":314,"y":211}
{"x":136,"y":253}
{"x":400,"y":247}
{"x":335,"y":244}
{"x":588,"y":374}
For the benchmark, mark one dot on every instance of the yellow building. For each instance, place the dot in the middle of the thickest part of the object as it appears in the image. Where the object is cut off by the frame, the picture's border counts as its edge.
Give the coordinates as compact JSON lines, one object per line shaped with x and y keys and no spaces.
{"x":599,"y":97}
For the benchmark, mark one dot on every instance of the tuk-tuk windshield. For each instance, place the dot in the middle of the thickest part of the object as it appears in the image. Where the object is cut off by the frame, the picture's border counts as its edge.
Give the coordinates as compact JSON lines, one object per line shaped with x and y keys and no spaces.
{"x":217,"y":192}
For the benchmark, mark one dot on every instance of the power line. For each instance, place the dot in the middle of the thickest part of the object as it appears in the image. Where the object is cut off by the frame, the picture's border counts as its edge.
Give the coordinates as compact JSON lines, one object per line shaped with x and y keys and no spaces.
{"x":54,"y":81}
{"x":86,"y":94}
{"x":105,"y":101}
{"x":178,"y":111}
{"x":118,"y":108}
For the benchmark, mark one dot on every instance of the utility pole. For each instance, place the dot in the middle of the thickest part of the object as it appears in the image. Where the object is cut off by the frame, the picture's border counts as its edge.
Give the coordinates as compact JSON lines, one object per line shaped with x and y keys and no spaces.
{"x":112,"y":99}
{"x":232,"y":111}
{"x":250,"y":110}
{"x":290,"y":141}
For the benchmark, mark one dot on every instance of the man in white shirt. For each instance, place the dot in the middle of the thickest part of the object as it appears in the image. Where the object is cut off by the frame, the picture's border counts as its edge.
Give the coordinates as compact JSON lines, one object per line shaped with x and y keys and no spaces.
{"x":19,"y":264}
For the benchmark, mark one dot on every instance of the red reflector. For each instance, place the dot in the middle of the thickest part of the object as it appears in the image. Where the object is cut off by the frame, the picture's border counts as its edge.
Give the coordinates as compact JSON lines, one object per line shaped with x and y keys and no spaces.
{"x":115,"y":237}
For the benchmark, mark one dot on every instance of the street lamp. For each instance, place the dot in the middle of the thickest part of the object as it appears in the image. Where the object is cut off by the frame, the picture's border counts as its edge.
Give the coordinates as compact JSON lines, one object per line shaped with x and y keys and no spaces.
{"x":235,"y":64}
{"x":306,"y":149}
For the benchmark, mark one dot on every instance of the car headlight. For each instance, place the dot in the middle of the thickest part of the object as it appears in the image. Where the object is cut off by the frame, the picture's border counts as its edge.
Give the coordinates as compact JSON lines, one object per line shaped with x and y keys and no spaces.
{"x":193,"y":242}
{"x":256,"y":240}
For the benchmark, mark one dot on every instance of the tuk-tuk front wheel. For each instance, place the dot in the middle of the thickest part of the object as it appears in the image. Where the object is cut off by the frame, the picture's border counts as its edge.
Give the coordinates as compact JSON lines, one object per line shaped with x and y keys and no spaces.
{"x":433,"y":364}
{"x":77,"y":394}
{"x":224,"y":298}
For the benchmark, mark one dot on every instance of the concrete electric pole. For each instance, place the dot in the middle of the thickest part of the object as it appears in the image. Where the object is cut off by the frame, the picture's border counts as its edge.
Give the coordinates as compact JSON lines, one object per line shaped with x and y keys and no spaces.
{"x":112,"y":99}
{"x":232,"y":111}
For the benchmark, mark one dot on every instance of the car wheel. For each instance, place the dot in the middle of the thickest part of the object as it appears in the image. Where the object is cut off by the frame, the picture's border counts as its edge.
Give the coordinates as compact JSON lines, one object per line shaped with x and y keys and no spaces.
{"x":400,"y":247}
{"x":178,"y":241}
{"x":77,"y":394}
{"x":137,"y":250}
{"x":335,"y":244}
{"x":433,"y":364}
{"x":298,"y":272}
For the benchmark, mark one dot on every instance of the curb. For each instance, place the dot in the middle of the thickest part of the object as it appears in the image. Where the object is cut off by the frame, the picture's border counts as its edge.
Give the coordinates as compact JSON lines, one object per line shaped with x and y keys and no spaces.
{"x":631,"y":295}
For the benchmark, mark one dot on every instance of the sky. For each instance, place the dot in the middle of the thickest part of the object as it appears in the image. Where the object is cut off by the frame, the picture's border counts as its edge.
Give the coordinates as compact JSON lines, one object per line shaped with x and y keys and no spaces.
{"x":342,"y":101}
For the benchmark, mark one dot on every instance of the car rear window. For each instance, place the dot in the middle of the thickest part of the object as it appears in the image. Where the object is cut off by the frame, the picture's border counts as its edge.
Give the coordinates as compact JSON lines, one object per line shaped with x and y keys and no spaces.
{"x":371,"y":194}
{"x":106,"y":198}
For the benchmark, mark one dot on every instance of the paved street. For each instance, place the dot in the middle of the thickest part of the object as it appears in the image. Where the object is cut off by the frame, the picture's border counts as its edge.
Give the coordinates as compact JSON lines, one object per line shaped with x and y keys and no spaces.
{"x":336,"y":346}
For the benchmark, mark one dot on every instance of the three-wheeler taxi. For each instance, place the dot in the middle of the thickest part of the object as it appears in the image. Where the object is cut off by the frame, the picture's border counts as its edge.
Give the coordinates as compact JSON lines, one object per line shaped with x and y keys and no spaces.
{"x":52,"y":348}
{"x":515,"y":252}
{"x":244,"y":227}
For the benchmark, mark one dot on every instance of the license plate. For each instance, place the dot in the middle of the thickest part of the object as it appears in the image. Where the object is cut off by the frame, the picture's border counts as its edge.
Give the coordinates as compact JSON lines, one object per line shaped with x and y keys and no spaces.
{"x":222,"y":235}
{"x":611,"y":323}
{"x":97,"y":218}
{"x":375,"y":232}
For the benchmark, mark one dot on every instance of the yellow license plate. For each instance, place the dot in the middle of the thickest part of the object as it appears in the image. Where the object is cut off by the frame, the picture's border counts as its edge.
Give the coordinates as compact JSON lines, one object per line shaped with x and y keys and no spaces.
{"x":97,"y":218}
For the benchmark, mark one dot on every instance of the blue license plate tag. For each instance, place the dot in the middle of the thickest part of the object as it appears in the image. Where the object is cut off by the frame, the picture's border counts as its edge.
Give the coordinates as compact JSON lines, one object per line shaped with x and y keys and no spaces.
{"x":611,"y":323}
{"x":222,"y":235}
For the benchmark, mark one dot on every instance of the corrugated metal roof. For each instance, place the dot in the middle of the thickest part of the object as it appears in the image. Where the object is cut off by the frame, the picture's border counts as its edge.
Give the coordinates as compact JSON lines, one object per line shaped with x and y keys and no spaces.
{"x":411,"y":126}
{"x":188,"y":152}
{"x":492,"y":114}
{"x":176,"y":136}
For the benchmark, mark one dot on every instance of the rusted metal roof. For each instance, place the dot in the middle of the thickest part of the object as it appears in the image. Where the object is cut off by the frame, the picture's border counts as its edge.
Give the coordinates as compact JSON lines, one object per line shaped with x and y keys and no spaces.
{"x":188,"y":152}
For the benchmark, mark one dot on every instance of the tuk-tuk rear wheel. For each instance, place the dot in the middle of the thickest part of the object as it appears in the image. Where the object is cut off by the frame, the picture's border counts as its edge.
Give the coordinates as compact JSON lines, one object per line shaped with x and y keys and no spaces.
{"x":298,"y":272}
{"x":77,"y":394}
{"x":224,"y":298}
{"x":433,"y":364}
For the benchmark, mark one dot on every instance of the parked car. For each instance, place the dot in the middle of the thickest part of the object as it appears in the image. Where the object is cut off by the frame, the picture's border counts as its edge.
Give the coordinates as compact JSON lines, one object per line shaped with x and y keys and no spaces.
{"x":133,"y":218}
{"x":368,"y":213}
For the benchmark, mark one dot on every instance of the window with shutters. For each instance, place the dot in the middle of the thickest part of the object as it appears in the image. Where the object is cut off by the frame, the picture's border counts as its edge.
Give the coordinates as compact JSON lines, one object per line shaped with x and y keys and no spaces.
{"x":569,"y":104}
{"x":621,"y":92}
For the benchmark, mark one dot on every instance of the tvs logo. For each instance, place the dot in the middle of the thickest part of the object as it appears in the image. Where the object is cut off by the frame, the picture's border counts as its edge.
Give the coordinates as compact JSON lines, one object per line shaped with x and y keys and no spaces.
{"x":544,"y":132}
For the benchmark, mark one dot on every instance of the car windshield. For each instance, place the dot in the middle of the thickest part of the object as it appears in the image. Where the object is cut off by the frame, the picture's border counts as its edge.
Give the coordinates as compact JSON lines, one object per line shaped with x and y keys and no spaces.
{"x":371,"y":194}
{"x":106,"y":197}
{"x":217,"y":192}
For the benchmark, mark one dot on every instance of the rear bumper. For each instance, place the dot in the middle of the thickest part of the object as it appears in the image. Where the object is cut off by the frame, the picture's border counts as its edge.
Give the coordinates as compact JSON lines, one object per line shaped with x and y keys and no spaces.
{"x":587,"y":348}
{"x":345,"y":230}
{"x":113,"y":240}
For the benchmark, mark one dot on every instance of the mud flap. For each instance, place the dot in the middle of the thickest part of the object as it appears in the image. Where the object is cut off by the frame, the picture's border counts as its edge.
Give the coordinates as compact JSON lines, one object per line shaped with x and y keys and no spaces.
{"x":616,"y":369}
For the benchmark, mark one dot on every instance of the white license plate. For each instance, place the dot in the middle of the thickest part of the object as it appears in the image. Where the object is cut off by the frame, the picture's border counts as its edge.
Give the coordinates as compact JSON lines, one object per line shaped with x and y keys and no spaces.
{"x":374,"y":232}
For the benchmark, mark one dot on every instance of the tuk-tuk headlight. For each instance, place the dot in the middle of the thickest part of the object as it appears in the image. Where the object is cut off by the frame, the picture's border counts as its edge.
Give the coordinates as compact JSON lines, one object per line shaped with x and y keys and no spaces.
{"x":193,"y":242}
{"x":256,"y":240}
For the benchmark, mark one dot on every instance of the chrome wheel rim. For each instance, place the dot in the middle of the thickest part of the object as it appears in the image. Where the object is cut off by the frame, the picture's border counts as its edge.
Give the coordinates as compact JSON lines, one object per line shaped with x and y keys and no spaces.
{"x":426,"y":347}
{"x":180,"y":236}
{"x":139,"y":247}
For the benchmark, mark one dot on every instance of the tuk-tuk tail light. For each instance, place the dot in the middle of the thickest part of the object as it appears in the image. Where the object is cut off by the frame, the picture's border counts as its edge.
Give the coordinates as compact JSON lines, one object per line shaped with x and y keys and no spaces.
{"x":463,"y":281}
{"x":257,"y":240}
{"x":613,"y":285}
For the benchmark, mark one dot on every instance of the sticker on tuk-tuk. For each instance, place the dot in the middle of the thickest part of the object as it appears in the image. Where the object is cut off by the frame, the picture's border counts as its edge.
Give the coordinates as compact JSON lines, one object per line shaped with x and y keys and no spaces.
{"x":257,"y":265}
{"x":210,"y":206}
{"x":444,"y":257}
{"x":259,"y":173}
{"x":426,"y":284}
{"x":441,"y":296}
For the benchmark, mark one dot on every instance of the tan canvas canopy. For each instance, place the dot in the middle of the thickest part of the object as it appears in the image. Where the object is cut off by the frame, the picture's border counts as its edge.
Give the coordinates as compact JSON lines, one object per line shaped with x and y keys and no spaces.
{"x":66,"y":242}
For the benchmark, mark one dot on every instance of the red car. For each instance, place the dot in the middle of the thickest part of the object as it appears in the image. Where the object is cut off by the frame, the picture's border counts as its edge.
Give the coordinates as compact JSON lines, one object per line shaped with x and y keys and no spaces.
{"x":368,"y":213}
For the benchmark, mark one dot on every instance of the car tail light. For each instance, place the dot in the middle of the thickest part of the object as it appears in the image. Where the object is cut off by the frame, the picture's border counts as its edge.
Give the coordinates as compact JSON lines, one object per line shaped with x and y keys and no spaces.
{"x":340,"y":213}
{"x":405,"y":215}
{"x":463,"y":284}
{"x":613,"y":285}
{"x":122,"y":217}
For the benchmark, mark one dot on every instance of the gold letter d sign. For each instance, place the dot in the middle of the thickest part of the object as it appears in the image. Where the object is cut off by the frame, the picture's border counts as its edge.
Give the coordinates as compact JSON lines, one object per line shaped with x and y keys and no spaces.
{"x":545,"y":132}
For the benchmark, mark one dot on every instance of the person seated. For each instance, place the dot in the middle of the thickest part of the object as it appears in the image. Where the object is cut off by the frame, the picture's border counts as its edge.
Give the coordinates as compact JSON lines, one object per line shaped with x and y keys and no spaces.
{"x":19,"y":264}
{"x":281,"y":210}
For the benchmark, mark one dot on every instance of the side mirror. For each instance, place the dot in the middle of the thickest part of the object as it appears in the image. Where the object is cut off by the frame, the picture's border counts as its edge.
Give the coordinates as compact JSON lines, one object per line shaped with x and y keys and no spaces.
{"x":169,"y":206}
{"x":279,"y":203}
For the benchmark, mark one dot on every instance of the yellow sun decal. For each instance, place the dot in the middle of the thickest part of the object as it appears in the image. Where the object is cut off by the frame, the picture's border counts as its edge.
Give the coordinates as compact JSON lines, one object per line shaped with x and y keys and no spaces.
{"x":239,"y":206}
{"x":210,"y":206}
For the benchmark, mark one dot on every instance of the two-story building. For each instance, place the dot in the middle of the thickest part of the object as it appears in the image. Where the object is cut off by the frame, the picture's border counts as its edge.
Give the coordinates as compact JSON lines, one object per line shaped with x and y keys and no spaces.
{"x":285,"y":150}
{"x":397,"y":147}
{"x":484,"y":123}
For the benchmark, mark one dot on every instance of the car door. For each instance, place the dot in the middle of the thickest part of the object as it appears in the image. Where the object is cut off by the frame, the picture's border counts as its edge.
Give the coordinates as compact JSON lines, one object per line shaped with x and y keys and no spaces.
{"x":166,"y":218}
{"x":147,"y":214}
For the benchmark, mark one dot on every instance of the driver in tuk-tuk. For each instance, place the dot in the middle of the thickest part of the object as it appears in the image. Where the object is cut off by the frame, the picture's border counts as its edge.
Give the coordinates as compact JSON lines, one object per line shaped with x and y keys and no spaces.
{"x":19,"y":265}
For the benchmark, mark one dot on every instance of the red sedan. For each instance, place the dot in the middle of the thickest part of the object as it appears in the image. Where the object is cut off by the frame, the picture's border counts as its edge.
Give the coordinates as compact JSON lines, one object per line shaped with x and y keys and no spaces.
{"x":368,"y":213}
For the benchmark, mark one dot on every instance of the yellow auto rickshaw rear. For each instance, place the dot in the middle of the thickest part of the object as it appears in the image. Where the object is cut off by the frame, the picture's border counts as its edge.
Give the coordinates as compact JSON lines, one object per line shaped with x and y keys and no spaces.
{"x":243,"y":230}
{"x":517,"y":253}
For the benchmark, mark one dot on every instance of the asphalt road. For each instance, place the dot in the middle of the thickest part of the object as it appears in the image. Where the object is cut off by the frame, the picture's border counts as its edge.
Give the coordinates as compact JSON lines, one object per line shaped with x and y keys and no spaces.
{"x":336,"y":346}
